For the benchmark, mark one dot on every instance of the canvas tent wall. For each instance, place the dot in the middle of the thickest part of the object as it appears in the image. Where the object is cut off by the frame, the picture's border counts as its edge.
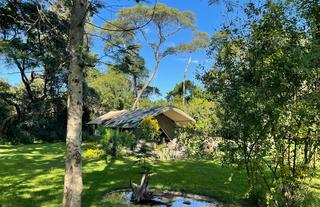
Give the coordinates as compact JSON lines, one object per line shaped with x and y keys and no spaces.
{"x":167,"y":125}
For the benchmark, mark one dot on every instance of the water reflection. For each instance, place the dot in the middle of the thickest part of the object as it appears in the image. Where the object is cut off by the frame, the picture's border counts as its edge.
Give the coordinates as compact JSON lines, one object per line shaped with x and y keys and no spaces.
{"x":163,"y":200}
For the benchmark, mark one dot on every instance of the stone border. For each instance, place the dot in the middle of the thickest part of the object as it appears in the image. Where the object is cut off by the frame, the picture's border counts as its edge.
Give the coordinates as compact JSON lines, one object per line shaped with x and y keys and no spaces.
{"x":158,"y":192}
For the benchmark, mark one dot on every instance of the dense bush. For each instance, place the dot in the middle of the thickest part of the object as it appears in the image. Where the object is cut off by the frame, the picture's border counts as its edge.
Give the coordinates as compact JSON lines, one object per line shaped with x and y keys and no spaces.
{"x":19,"y":136}
{"x":172,"y":150}
{"x":266,"y":78}
{"x":114,"y":140}
{"x":200,"y":138}
{"x":149,"y":129}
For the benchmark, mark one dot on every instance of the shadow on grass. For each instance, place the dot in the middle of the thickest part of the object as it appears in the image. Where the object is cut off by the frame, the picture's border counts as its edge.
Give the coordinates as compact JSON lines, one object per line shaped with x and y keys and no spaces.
{"x":198,"y":177}
{"x":32,"y":175}
{"x":116,"y":174}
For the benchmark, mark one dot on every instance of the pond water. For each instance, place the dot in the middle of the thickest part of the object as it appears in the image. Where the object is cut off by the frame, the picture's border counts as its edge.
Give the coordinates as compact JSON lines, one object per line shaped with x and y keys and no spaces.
{"x":162,"y":200}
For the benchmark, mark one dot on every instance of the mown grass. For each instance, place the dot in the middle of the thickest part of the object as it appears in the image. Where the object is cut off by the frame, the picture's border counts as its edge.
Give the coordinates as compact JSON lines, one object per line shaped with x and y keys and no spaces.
{"x":32,"y":175}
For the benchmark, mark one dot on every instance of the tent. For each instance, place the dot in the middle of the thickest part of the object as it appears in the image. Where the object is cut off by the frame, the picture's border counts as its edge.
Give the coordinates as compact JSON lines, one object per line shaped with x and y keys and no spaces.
{"x":168,"y":117}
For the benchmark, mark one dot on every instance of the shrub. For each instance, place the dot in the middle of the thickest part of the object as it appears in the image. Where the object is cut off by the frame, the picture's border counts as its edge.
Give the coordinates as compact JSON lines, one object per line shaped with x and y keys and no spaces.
{"x":92,"y":145}
{"x":200,"y":138}
{"x":114,"y":140}
{"x":86,"y":136}
{"x":94,"y":153}
{"x":150,"y":128}
{"x":172,"y":151}
{"x":291,"y":193}
{"x":20,"y":136}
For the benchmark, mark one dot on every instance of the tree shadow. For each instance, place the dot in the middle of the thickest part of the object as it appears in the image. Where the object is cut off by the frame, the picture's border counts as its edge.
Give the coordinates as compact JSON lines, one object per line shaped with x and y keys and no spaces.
{"x":116,"y":175}
{"x":198,"y":177}
{"x":31,"y":175}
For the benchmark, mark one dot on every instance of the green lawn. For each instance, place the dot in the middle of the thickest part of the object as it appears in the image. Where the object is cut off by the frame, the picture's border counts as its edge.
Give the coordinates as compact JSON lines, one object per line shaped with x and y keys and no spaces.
{"x":32,"y":175}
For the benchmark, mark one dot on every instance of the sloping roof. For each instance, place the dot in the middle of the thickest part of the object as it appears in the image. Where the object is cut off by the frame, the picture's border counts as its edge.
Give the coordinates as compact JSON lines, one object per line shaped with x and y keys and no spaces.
{"x":132,"y":119}
{"x":106,"y":117}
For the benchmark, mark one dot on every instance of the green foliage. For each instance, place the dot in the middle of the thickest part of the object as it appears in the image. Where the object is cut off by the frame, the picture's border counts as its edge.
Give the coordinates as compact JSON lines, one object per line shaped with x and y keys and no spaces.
{"x":147,"y":103}
{"x":35,"y":47}
{"x":130,"y":62}
{"x":45,"y":120}
{"x":200,"y":41}
{"x":167,"y":21}
{"x":150,"y":128}
{"x":89,"y":136}
{"x":144,"y":156}
{"x":170,"y":19}
{"x":175,"y":95}
{"x":114,"y":140}
{"x":20,"y":136}
{"x":265,"y":81}
{"x":113,"y":88}
{"x":5,"y":109}
{"x":163,"y":22}
{"x":200,"y":137}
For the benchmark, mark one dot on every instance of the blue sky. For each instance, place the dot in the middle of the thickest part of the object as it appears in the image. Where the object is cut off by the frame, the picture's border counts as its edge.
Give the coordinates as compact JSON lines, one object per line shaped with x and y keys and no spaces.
{"x":170,"y":72}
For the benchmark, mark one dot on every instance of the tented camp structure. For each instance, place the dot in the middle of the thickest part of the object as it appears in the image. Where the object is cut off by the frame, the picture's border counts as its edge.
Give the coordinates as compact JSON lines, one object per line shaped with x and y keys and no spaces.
{"x":168,"y":117}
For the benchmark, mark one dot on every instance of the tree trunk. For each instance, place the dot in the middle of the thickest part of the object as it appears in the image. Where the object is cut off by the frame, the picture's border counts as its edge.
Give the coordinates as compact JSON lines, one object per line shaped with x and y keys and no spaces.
{"x":73,"y":166}
{"x":7,"y":123}
{"x":135,"y":104}
{"x":139,"y":192}
{"x":135,"y":86}
{"x":306,"y":150}
{"x":184,"y":80}
{"x":294,"y":159}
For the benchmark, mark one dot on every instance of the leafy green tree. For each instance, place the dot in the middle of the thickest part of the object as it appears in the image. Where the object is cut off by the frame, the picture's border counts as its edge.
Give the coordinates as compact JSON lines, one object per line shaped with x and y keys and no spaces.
{"x":200,"y":138}
{"x":113,"y":88}
{"x":131,"y":63}
{"x":32,"y":40}
{"x":186,"y":88}
{"x":165,"y":20}
{"x":6,"y":109}
{"x":33,"y":44}
{"x":267,"y":89}
{"x":150,"y":91}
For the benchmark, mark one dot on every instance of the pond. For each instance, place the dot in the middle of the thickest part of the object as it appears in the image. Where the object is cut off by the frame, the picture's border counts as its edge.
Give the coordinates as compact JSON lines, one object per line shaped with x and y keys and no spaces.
{"x":163,"y":199}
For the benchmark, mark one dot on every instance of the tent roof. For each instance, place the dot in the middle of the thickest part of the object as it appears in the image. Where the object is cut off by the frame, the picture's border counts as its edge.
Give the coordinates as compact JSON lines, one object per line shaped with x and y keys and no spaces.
{"x":132,"y":119}
{"x":106,"y":117}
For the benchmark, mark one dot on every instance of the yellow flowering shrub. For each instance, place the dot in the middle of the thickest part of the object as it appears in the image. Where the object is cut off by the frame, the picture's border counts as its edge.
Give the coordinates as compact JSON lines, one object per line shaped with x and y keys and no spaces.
{"x":93,"y":153}
{"x":150,"y":128}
